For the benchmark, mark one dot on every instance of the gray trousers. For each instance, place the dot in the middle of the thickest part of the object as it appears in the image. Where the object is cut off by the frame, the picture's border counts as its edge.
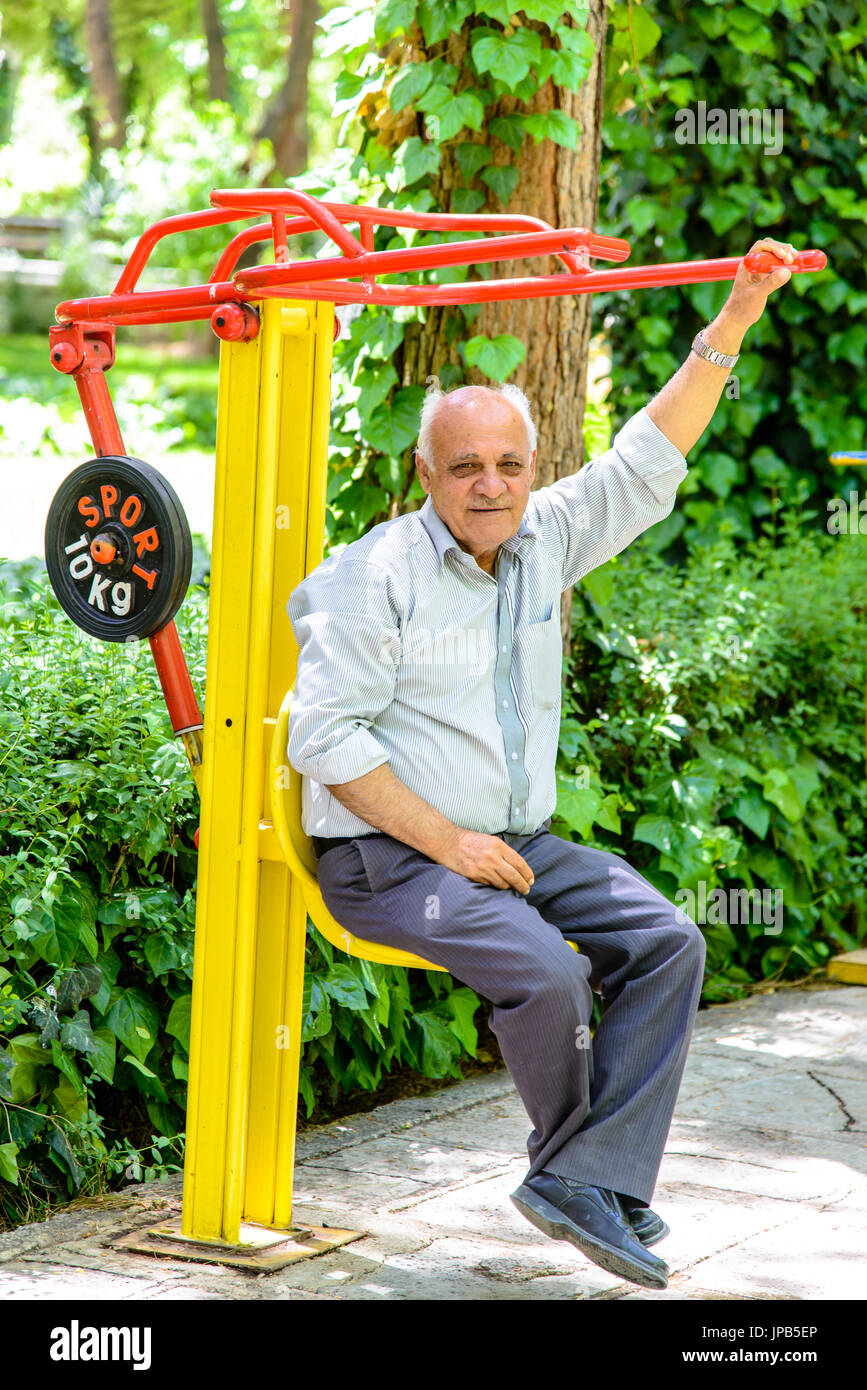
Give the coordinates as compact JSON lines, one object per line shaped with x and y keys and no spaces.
{"x":601,"y":1111}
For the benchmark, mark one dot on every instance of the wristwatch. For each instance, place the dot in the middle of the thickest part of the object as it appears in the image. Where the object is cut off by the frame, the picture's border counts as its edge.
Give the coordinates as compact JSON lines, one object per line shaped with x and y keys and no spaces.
{"x":719,"y":359}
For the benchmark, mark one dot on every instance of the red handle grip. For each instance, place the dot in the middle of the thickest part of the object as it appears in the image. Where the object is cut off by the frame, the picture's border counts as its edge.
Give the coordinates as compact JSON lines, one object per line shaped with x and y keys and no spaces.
{"x":760,"y":261}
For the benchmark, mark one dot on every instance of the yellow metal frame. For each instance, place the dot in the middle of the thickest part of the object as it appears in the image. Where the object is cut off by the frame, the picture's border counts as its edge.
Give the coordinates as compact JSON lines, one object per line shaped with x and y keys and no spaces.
{"x":257,"y":871}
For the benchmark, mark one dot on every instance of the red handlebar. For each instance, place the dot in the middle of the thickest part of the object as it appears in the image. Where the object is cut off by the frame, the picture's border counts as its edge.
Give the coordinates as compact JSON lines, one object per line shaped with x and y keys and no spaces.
{"x":760,"y":261}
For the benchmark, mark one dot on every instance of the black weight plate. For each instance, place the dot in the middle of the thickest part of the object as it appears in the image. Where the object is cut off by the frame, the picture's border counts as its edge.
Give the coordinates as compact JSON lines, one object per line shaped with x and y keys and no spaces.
{"x":134,"y":511}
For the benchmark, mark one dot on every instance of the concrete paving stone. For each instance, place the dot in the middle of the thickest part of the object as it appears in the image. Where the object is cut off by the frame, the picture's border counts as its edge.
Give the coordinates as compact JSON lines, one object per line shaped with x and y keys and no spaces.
{"x":495,"y":1129}
{"x":792,"y":1101}
{"x":60,"y":1281}
{"x":710,"y":1070}
{"x":705,"y":1220}
{"x":811,"y":1024}
{"x":368,"y":1190}
{"x":408,"y":1157}
{"x":398,"y":1115}
{"x":793,"y":1178}
{"x":777,"y":1152}
{"x":451,"y":1268}
{"x":818,"y":1255}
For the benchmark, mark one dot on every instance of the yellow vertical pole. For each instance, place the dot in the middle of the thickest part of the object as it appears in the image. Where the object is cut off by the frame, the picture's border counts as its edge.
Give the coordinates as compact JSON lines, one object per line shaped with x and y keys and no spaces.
{"x":250,"y":918}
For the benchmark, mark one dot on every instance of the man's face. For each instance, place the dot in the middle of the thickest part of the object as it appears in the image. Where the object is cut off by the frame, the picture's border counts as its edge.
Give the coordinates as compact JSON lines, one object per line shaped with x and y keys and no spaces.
{"x":481,"y":472}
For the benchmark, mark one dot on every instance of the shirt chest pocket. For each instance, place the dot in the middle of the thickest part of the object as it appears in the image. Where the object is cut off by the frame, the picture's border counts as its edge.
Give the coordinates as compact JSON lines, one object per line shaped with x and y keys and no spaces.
{"x":541,"y":649}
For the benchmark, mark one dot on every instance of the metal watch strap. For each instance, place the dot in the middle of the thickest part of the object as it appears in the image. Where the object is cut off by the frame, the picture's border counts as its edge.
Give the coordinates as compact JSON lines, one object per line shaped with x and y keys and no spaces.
{"x":719,"y":359}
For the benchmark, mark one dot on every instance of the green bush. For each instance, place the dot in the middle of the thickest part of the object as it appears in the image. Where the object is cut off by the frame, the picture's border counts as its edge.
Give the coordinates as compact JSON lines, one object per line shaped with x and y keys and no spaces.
{"x":97,"y":911}
{"x":713,"y":733}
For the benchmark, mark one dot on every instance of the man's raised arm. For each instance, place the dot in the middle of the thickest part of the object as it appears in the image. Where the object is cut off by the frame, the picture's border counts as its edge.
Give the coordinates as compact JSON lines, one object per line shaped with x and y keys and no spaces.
{"x":684,"y":406}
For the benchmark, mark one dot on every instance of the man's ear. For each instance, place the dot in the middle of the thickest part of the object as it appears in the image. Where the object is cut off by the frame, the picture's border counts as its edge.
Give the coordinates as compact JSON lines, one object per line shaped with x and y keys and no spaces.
{"x":532,"y":468}
{"x":423,"y":471}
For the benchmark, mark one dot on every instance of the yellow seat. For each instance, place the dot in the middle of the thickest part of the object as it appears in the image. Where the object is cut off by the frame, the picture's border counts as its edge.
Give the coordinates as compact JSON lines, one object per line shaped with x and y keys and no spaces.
{"x":298,"y":851}
{"x":285,"y":784}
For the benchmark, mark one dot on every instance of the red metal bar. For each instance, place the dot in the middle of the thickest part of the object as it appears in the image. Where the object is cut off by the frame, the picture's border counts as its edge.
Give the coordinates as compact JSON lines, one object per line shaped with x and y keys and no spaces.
{"x":89,"y":378}
{"x":175,"y":680}
{"x":410,"y":258}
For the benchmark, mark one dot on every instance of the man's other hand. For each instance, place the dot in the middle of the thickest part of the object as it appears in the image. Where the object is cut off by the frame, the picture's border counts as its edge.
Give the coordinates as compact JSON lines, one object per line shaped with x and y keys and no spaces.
{"x":750,"y":289}
{"x":486,"y":859}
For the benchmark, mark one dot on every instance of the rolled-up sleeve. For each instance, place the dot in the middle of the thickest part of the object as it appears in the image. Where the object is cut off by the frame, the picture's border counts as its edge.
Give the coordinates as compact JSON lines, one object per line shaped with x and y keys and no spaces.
{"x":347,"y":628}
{"x":611,"y":500}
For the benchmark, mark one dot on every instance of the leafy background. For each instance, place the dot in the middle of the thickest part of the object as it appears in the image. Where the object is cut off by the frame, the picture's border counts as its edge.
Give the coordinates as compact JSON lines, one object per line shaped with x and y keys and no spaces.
{"x":714,"y":696}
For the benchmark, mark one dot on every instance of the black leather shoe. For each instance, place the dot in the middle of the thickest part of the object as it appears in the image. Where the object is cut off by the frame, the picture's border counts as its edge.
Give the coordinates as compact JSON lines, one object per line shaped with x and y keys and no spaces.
{"x":647,"y":1225}
{"x":594,"y":1220}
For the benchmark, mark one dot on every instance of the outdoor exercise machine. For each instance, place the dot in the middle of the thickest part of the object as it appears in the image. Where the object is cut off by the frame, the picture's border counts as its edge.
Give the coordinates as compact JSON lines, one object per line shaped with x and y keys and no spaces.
{"x":118,"y":555}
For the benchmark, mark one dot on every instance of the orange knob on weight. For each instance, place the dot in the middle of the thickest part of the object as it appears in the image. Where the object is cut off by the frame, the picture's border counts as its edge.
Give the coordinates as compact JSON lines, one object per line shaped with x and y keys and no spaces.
{"x":103,"y":550}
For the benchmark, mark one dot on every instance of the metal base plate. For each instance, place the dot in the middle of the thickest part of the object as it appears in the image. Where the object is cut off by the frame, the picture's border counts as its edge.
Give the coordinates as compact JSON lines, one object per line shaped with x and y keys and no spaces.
{"x":850,"y":967}
{"x":260,"y":1248}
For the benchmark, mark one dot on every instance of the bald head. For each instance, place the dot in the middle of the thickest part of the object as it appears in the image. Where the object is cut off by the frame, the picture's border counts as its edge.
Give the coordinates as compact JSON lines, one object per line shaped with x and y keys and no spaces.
{"x":466,"y":408}
{"x":476,"y":457}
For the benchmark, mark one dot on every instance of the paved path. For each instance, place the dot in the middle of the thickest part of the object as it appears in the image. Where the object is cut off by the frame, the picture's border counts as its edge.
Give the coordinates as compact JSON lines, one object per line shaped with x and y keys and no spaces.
{"x":764,"y":1185}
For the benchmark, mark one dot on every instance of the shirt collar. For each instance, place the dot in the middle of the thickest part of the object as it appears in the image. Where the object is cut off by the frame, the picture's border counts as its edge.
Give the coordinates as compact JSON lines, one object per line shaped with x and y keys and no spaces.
{"x":444,"y":540}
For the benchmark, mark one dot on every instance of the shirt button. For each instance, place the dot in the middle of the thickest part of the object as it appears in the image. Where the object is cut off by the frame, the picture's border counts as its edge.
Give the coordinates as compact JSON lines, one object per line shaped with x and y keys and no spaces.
{"x":514,"y":756}
{"x":505,"y":704}
{"x":504,"y":649}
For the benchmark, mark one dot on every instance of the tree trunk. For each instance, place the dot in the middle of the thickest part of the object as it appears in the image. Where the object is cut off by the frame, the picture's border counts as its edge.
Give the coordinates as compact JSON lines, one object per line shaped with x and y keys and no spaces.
{"x":107,"y":89}
{"x":561,"y":186}
{"x":285,"y":122}
{"x":218,"y":77}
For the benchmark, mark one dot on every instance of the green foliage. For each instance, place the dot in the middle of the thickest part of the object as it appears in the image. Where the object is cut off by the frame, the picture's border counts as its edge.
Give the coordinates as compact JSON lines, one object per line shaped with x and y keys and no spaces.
{"x":97,"y":912}
{"x":397,"y":68}
{"x":97,"y":906}
{"x":801,"y":376}
{"x":732,"y":751}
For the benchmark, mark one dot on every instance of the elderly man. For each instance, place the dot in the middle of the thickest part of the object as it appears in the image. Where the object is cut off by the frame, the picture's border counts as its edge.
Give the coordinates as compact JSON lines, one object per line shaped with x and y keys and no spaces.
{"x":425,"y":721}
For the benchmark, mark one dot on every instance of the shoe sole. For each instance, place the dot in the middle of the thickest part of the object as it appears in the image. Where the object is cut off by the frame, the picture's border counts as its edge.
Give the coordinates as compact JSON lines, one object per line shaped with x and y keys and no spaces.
{"x":548,"y":1219}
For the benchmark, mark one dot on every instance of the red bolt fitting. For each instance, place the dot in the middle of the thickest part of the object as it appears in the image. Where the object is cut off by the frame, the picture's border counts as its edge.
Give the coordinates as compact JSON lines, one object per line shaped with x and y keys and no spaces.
{"x":235,"y":323}
{"x":64,"y":357}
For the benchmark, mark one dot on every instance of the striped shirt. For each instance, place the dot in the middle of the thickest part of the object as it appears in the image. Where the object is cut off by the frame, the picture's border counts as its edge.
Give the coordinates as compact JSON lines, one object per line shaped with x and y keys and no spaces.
{"x":411,"y":654}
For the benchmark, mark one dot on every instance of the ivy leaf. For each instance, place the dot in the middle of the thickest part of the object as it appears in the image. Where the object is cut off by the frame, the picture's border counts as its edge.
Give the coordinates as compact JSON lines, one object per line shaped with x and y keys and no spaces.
{"x":467,"y":200}
{"x":439,"y":18}
{"x":347,"y":31}
{"x":472,"y":157}
{"x":510,"y":129}
{"x":503,"y":179}
{"x":508,"y":59}
{"x":462,"y":1003}
{"x":76,"y":1033}
{"x":67,"y":1067}
{"x":59,"y":1144}
{"x":82,"y":983}
{"x":452,"y":111}
{"x":645,"y":33}
{"x":658,"y":831}
{"x":416,"y":158}
{"x":496,"y":357}
{"x":721,"y":213}
{"x":162,"y":954}
{"x":393,"y":17}
{"x":412,"y":81}
{"x":178,"y":1021}
{"x":135,"y":1020}
{"x":374,"y":382}
{"x":102,"y":1059}
{"x":9,"y":1163}
{"x":344,"y":986}
{"x":393,"y":426}
{"x":439,"y":1046}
